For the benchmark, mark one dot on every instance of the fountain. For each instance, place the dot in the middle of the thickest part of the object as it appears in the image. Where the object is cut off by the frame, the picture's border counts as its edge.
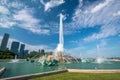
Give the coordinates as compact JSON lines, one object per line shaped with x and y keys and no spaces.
{"x":52,"y":60}
{"x":99,"y":60}
{"x":60,"y":46}
{"x":15,"y":60}
{"x":59,"y":55}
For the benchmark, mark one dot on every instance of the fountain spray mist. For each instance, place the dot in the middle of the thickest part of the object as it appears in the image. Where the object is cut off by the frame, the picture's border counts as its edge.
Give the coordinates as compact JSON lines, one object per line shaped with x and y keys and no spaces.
{"x":99,"y":59}
{"x":60,"y":46}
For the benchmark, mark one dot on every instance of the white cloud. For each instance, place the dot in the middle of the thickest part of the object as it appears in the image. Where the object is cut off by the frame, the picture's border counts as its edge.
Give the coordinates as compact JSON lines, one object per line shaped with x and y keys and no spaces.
{"x":3,"y":10}
{"x":52,"y":3}
{"x":22,"y":17}
{"x":102,"y":15}
{"x":84,"y":18}
{"x":117,"y":13}
{"x":6,"y":22}
{"x":16,"y":5}
{"x":27,"y":21}
{"x":12,"y":4}
{"x":6,"y":19}
{"x":100,"y":6}
{"x":106,"y":31}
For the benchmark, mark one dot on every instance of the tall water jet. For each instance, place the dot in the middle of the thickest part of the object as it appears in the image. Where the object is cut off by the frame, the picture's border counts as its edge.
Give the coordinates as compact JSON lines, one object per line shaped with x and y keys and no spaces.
{"x":61,"y":39}
{"x":52,"y":60}
{"x":59,"y":56}
{"x":15,"y":60}
{"x":60,"y":46}
{"x":99,"y":59}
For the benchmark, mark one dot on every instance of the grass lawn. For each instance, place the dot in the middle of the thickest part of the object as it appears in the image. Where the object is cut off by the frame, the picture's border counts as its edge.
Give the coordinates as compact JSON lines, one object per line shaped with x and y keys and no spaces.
{"x":82,"y":76}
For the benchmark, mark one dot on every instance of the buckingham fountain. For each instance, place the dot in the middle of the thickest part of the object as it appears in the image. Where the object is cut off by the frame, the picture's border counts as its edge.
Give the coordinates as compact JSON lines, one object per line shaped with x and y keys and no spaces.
{"x":59,"y":55}
{"x":60,"y":47}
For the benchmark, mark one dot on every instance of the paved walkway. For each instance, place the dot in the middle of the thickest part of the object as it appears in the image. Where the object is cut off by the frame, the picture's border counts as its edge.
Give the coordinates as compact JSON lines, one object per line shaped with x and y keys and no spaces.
{"x":93,"y":71}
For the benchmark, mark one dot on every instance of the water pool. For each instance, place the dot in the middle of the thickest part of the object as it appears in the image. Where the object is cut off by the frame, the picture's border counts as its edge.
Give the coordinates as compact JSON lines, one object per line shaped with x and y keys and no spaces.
{"x":26,"y":67}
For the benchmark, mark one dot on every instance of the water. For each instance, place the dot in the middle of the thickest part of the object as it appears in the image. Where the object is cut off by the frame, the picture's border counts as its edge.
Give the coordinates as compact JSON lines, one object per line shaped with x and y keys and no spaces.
{"x":26,"y":67}
{"x":23,"y":67}
{"x":92,"y":65}
{"x":15,"y":60}
{"x":100,"y":60}
{"x":60,"y":46}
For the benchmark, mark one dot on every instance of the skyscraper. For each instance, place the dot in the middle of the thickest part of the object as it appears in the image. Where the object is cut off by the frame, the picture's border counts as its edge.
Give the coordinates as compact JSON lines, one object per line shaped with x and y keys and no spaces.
{"x":15,"y":47}
{"x":42,"y":51}
{"x":26,"y":53}
{"x":22,"y":48}
{"x":4,"y":42}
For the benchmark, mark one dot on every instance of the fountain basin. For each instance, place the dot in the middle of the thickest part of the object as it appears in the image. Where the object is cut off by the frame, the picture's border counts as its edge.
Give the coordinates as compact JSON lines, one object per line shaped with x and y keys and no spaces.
{"x":25,"y":67}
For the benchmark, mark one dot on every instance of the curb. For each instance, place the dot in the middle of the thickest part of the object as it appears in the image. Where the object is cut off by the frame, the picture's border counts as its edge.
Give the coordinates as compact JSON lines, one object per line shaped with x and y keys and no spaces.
{"x":2,"y":70}
{"x":30,"y":76}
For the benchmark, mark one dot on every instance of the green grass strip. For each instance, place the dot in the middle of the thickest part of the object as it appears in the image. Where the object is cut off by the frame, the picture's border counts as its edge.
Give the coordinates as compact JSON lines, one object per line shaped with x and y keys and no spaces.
{"x":81,"y":76}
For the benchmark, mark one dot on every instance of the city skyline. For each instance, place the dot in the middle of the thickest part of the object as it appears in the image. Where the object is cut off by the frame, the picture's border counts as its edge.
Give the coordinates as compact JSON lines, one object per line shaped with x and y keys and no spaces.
{"x":16,"y":47}
{"x":87,"y":24}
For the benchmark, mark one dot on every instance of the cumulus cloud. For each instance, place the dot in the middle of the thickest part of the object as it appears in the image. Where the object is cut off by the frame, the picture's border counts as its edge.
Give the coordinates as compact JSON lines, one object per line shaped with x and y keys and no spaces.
{"x":3,"y":10}
{"x":12,"y":4}
{"x":51,"y":4}
{"x":5,"y":22}
{"x":28,"y":22}
{"x":20,"y":16}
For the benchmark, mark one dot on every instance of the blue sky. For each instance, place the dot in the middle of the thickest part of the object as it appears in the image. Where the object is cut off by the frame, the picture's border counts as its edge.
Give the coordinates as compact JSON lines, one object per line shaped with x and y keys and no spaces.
{"x":87,"y":24}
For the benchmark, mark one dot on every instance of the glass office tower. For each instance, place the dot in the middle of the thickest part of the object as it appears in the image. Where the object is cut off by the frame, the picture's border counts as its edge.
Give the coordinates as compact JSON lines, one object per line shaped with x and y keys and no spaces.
{"x":4,"y":42}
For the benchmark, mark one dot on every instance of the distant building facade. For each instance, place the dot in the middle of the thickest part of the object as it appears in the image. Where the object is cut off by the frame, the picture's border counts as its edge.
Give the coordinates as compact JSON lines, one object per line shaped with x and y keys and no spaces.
{"x":33,"y":52}
{"x":26,"y":53}
{"x":15,"y":47}
{"x":22,"y":48}
{"x":4,"y":42}
{"x":42,"y":51}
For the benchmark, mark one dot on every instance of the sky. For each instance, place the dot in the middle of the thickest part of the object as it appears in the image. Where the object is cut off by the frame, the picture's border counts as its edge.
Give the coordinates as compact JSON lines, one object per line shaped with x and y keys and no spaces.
{"x":87,"y":24}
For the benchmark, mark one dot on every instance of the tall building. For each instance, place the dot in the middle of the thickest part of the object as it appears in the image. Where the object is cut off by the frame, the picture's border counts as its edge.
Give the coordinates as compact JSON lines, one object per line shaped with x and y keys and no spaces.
{"x":15,"y":47}
{"x":42,"y":51}
{"x":26,"y":53}
{"x":4,"y":42}
{"x":22,"y":48}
